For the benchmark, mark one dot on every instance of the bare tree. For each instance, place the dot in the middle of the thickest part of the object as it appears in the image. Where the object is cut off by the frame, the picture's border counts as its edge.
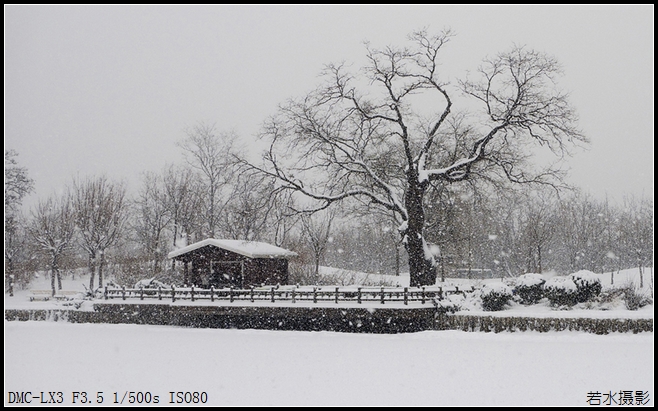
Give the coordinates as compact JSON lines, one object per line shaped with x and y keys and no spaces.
{"x":636,"y":226}
{"x":183,"y":202}
{"x":610,"y":240}
{"x":581,"y":227}
{"x":317,"y":229}
{"x":248,"y":209}
{"x":539,"y":225}
{"x":508,"y":214}
{"x":377,"y":141}
{"x":99,"y":208}
{"x":152,"y":218}
{"x":17,"y":185}
{"x":17,"y":182}
{"x":211,"y":154}
{"x":53,"y":228}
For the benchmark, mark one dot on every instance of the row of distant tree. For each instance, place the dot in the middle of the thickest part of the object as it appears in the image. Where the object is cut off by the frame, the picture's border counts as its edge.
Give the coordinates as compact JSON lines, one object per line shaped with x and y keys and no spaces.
{"x":93,"y":223}
{"x":510,"y":234}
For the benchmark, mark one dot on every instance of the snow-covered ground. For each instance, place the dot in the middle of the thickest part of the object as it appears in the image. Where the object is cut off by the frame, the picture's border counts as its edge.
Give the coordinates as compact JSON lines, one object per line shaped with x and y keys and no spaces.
{"x":294,"y":368}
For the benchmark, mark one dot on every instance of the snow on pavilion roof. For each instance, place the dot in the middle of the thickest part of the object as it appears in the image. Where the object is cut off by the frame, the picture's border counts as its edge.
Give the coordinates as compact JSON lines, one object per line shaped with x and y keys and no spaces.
{"x":251,"y":249}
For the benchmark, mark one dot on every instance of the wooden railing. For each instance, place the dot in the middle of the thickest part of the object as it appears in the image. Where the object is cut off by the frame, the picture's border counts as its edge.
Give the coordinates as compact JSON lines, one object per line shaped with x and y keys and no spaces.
{"x":289,"y":293}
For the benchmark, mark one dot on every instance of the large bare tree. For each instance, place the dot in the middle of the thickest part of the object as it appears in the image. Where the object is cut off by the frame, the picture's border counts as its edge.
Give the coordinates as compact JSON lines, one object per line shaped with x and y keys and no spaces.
{"x":387,"y":138}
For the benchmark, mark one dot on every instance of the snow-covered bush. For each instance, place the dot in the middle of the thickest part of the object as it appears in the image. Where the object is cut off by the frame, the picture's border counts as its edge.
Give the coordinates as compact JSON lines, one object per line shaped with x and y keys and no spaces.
{"x":450,"y":304}
{"x":446,"y":306}
{"x":588,"y":285}
{"x":530,"y":288}
{"x":561,"y":291}
{"x":634,"y":297}
{"x":495,"y":296}
{"x":150,"y":283}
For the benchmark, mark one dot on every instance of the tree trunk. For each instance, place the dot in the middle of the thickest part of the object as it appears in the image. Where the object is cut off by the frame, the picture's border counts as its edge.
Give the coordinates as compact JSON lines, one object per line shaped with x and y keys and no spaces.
{"x":211,"y":216}
{"x":397,"y":260}
{"x":10,"y":265}
{"x":157,"y":260}
{"x":443,"y":269}
{"x":101,"y":263}
{"x":92,"y":270}
{"x":54,"y":267}
{"x":52,"y":279}
{"x":421,"y":264}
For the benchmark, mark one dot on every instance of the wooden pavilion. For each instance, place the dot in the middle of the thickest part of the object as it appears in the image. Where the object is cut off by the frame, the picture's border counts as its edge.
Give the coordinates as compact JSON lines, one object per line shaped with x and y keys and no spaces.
{"x":233,"y":263}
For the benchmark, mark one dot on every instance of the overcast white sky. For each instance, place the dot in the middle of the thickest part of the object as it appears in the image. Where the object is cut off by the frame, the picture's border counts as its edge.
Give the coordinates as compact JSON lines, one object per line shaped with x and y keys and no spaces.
{"x":110,"y":89}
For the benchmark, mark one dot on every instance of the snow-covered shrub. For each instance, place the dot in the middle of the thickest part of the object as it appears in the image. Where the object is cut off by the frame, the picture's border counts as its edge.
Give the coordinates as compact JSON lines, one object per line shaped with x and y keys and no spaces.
{"x":561,"y":291}
{"x":446,"y":306}
{"x":588,"y":285}
{"x":450,"y":304}
{"x":495,"y":296}
{"x":150,"y":283}
{"x":634,"y":297}
{"x":530,"y":288}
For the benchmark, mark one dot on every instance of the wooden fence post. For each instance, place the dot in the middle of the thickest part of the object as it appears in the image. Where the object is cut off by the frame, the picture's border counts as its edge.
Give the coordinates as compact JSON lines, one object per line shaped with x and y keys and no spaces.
{"x":272,"y":293}
{"x":382,"y":295}
{"x":230,"y":293}
{"x":422,"y":295}
{"x":293,"y":294}
{"x":159,"y":293}
{"x":123,"y":291}
{"x":406,"y":296}
{"x":192,"y":293}
{"x":358,"y":295}
{"x":315,"y":295}
{"x":336,"y":295}
{"x":173,"y":293}
{"x":141,"y":292}
{"x":105,"y":293}
{"x":251,"y":294}
{"x":212,"y":294}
